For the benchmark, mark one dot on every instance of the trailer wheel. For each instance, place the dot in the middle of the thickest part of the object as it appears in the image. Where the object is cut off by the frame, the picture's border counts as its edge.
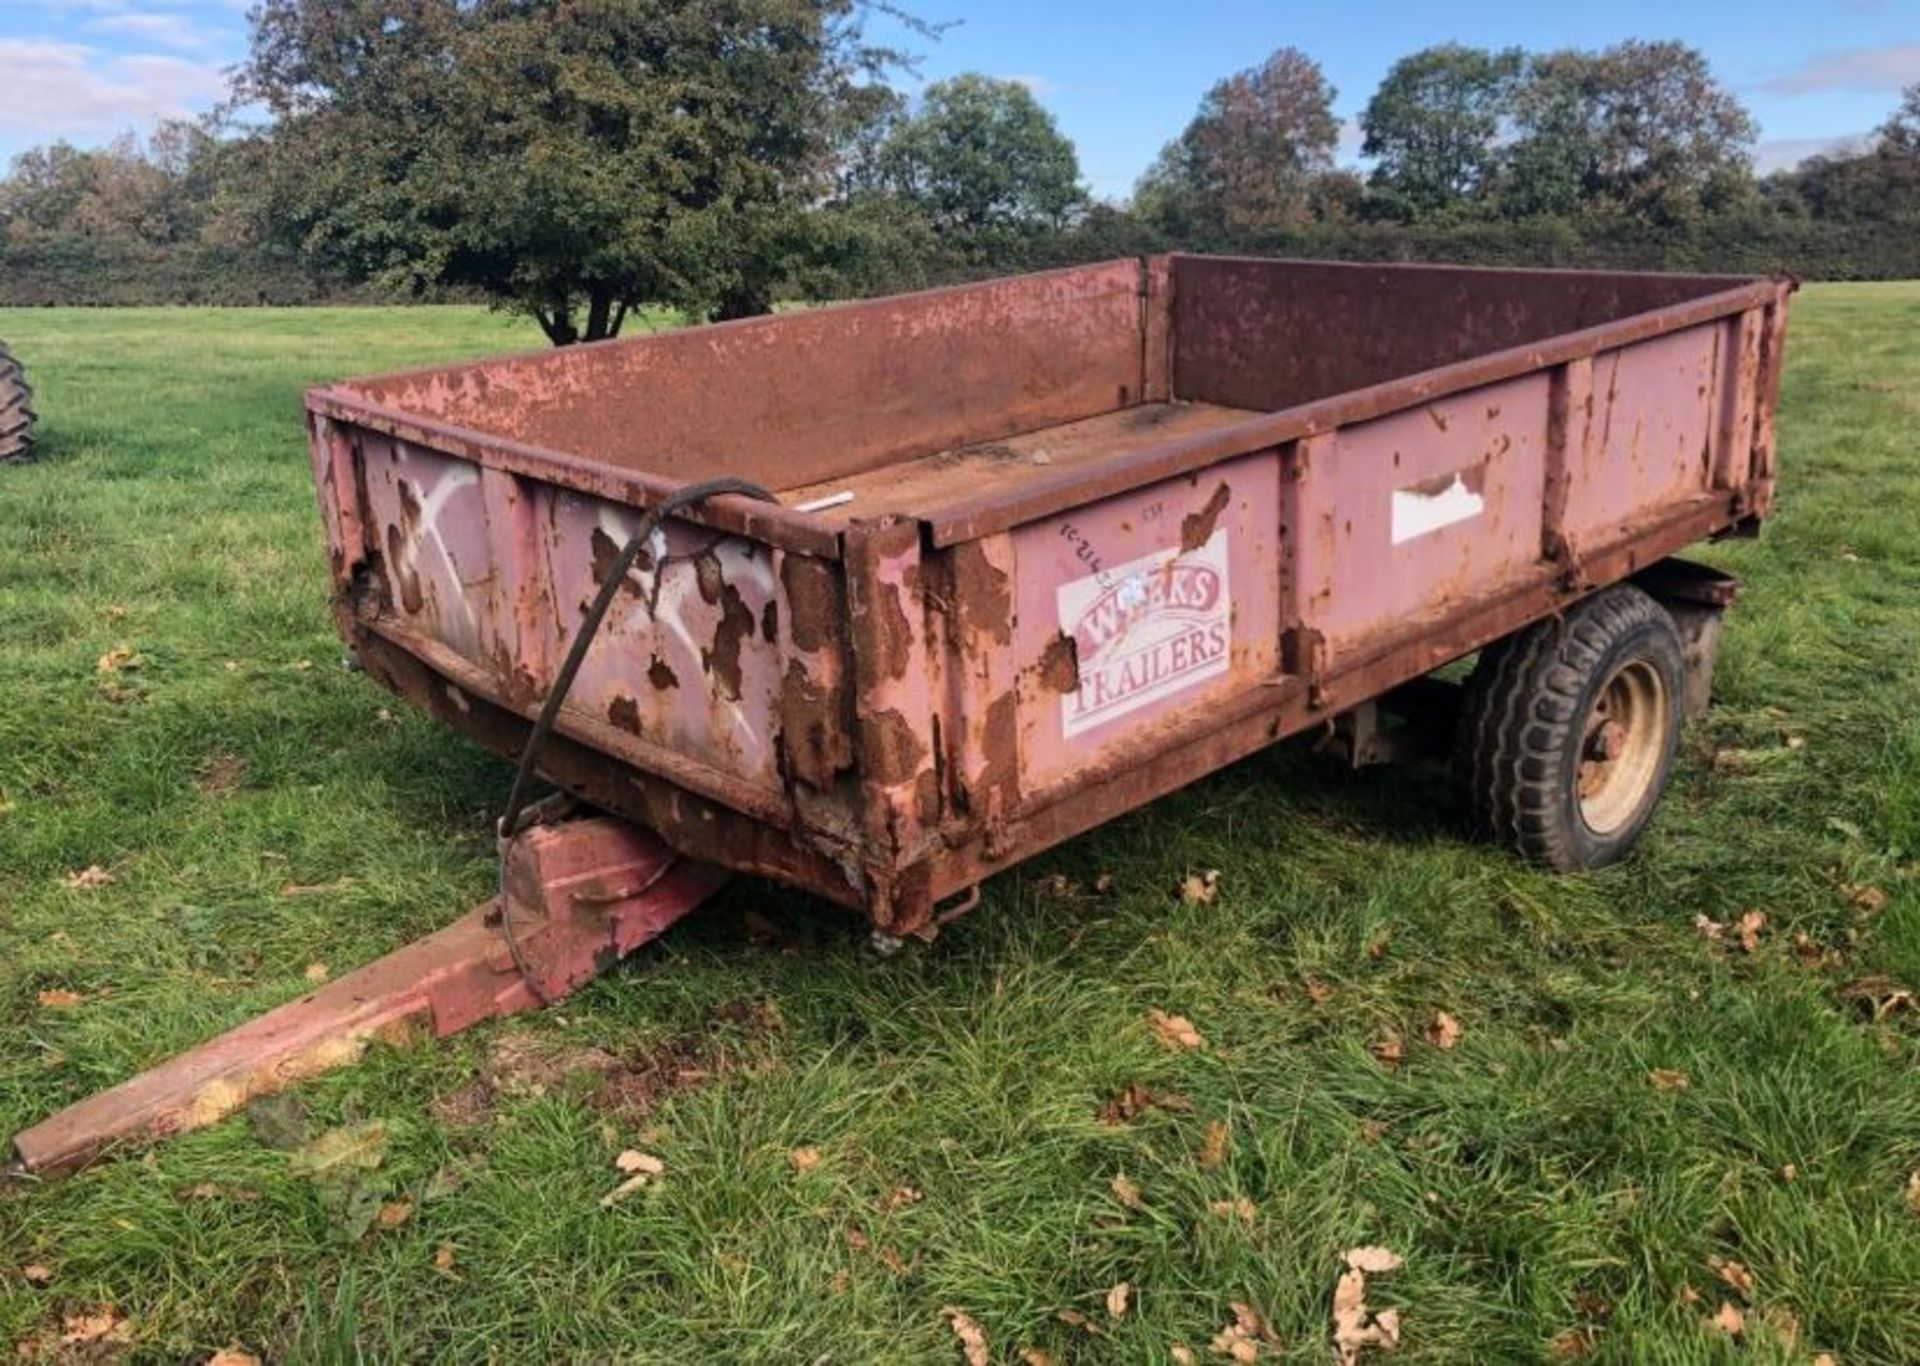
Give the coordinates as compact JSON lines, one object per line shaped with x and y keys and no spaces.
{"x":1569,"y":730}
{"x":16,"y":409}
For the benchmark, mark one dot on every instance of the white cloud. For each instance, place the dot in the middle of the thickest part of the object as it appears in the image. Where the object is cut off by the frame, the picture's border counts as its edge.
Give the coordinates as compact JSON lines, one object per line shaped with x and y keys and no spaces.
{"x":168,"y":30}
{"x":68,"y":90}
{"x":1038,"y":86}
{"x":1864,"y":70}
{"x":1347,"y":150}
{"x":1783,"y":154}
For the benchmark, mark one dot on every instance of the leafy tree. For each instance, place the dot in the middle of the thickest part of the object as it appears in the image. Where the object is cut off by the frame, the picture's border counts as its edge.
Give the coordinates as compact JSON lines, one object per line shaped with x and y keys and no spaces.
{"x":980,"y":155}
{"x":1640,"y":129}
{"x":1900,"y":134}
{"x":569,"y":158}
{"x":1253,"y":154}
{"x":1433,"y":127}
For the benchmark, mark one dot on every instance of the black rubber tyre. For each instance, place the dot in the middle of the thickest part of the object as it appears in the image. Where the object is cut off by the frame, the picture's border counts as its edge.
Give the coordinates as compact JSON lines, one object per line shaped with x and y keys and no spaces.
{"x":1568,"y":730}
{"x":16,"y":409}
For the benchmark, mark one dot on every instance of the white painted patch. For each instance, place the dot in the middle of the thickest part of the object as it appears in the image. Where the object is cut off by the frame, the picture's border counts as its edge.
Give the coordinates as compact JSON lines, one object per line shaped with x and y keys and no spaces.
{"x":1145,"y":630}
{"x":1418,"y":514}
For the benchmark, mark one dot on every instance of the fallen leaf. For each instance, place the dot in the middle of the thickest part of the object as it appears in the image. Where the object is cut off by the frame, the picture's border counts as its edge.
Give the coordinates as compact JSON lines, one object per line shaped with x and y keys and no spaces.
{"x":101,"y":1324}
{"x":1199,"y":889}
{"x":1213,"y":1149}
{"x":118,"y":658}
{"x":1387,"y":1051}
{"x":1033,"y":1356}
{"x":1751,"y":924}
{"x":1117,"y":1299}
{"x":1318,"y":991}
{"x":1913,"y":1192}
{"x":1240,"y":1208}
{"x":88,"y":878}
{"x":1176,"y":1031}
{"x":1373,"y":1260}
{"x":316,"y":972}
{"x":1127,"y":1193}
{"x":1182,"y":1354}
{"x":804,"y":1159}
{"x":624,"y":1189}
{"x":1790,"y":1172}
{"x":633,"y":1162}
{"x":1073,"y":1318}
{"x":1880,"y":994}
{"x":233,"y":1356}
{"x":1734,"y":1274}
{"x":1710,"y":930}
{"x":1867,"y":899}
{"x":973,"y":1342}
{"x":902,"y":1196}
{"x":1242,"y":1338}
{"x":59,"y":998}
{"x":1444,"y":1032}
{"x":1572,"y":1345}
{"x":1669,"y":1079}
{"x":1825,"y":1359}
{"x":1729,"y":1320}
{"x":443,"y":1257}
{"x":394,"y":1213}
{"x":1137,"y":1099}
{"x":1103,"y":883}
{"x":352,"y":1146}
{"x":36,"y":1274}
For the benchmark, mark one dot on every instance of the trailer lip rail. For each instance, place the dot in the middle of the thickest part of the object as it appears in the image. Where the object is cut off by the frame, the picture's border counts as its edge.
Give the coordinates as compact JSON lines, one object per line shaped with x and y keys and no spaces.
{"x":808,"y":533}
{"x":1070,"y":488}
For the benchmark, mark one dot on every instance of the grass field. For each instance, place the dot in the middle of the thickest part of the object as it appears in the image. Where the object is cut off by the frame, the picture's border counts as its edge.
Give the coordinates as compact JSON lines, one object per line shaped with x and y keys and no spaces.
{"x":854,"y":1146}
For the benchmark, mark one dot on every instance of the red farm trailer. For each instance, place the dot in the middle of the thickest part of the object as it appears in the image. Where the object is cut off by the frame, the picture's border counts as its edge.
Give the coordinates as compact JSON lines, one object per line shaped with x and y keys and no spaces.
{"x":1011,"y":559}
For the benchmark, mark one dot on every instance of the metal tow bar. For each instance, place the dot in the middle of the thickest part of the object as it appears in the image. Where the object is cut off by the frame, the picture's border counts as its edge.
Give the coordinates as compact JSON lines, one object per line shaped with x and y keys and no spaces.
{"x":582,"y":894}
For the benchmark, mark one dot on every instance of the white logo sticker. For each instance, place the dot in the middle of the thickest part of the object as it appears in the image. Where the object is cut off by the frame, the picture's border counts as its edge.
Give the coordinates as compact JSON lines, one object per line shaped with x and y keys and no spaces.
{"x":1145,"y":630}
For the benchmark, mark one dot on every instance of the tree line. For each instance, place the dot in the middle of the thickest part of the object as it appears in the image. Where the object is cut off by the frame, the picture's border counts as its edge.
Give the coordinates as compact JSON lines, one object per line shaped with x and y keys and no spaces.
{"x":573,"y":160}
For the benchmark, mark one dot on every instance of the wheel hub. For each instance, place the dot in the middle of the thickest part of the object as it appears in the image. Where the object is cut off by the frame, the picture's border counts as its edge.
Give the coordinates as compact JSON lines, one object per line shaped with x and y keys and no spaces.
{"x":1622,"y":745}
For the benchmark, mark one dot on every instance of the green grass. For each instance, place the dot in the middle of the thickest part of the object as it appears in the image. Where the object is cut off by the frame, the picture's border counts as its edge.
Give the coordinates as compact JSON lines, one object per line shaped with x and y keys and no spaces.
{"x":1540,"y":1188}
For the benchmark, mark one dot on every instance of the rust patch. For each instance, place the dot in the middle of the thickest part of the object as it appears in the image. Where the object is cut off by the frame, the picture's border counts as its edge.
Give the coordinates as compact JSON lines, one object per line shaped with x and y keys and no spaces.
{"x":983,"y":593}
{"x":889,"y":748}
{"x":892,"y":635}
{"x":813,"y":729}
{"x":605,"y":552}
{"x":1000,"y":752}
{"x":770,"y":621}
{"x":661,"y":674}
{"x":1474,"y":476}
{"x":926,"y":797}
{"x":736,"y":625}
{"x":1196,"y":528}
{"x":707,"y":574}
{"x":624,"y":712}
{"x":1060,"y":662}
{"x":403,"y":573}
{"x":813,"y":604}
{"x":1438,"y":418}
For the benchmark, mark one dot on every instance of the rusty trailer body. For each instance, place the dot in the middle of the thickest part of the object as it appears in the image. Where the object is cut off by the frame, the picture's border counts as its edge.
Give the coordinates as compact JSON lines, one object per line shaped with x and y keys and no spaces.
{"x":1046,"y":547}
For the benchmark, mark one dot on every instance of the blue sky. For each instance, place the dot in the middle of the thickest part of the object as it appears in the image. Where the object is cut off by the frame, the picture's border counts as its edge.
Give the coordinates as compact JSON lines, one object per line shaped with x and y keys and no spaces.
{"x":1122,"y":76}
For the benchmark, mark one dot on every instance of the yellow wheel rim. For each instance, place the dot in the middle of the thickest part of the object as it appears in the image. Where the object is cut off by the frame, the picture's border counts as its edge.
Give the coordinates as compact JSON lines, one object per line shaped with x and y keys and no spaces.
{"x":1622,"y":746}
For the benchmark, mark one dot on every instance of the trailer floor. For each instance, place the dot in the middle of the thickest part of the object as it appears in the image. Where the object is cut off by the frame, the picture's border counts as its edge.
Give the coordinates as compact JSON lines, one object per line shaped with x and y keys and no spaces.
{"x":931,"y":484}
